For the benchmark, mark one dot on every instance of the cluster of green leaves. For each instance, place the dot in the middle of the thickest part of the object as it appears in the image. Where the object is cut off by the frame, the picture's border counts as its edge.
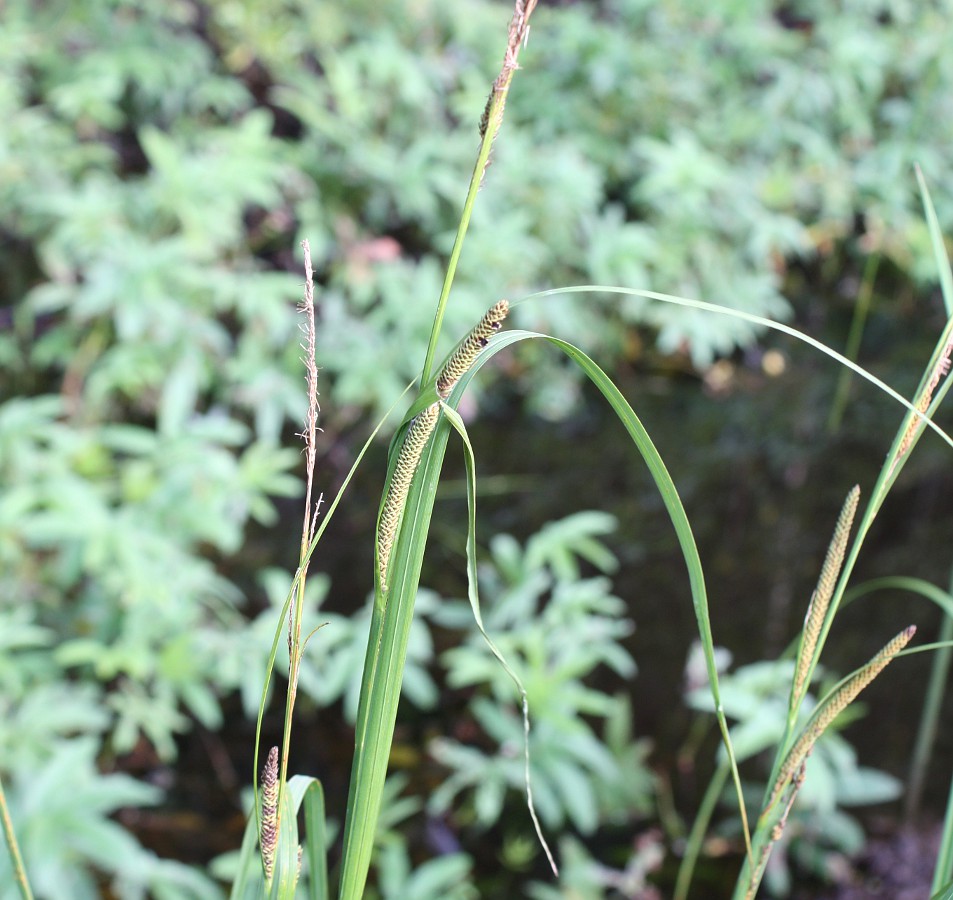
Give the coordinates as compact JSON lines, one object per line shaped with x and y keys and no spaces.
{"x":693,"y":148}
{"x":111,"y":616}
{"x":148,"y":371}
{"x":729,"y":139}
{"x":556,"y":628}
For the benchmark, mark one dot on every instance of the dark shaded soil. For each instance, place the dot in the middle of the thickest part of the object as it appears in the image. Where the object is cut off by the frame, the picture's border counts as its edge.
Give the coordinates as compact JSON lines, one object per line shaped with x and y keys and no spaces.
{"x":897,"y":865}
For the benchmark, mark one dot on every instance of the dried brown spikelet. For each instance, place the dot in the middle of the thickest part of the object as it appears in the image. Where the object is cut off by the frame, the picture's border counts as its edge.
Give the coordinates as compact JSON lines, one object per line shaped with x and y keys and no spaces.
{"x":465,"y":355}
{"x":269,"y":813}
{"x":408,"y":458}
{"x":485,"y":118}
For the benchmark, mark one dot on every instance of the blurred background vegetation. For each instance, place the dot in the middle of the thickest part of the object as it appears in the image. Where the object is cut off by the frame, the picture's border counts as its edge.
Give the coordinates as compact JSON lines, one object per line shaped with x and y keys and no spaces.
{"x":160,"y":161}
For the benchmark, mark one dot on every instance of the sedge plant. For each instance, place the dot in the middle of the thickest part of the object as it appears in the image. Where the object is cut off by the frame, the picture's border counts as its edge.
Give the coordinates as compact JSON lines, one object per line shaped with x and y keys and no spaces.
{"x":276,"y":861}
{"x":415,"y":459}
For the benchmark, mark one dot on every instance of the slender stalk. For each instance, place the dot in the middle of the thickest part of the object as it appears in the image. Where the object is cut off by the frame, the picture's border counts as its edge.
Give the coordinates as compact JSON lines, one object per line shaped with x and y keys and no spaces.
{"x":927,"y":731}
{"x":930,"y":393}
{"x":19,"y":870}
{"x":489,"y":128}
{"x":790,"y":773}
{"x":400,"y":546}
{"x":693,"y":844}
{"x":943,"y":872}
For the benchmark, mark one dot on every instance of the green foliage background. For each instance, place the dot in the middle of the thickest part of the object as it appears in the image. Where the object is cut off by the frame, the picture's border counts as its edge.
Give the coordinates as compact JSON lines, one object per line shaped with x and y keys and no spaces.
{"x":160,"y":161}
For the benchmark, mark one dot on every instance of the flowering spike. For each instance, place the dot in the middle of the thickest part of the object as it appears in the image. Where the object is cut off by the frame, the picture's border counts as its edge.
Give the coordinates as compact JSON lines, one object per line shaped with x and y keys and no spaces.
{"x":268,"y":838}
{"x":465,"y":355}
{"x":408,"y":458}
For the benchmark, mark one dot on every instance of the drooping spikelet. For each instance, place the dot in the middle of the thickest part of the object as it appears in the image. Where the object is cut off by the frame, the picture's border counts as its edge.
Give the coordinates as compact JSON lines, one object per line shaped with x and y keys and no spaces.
{"x":408,"y":458}
{"x":832,"y":708}
{"x":268,"y":838}
{"x":465,"y":355}
{"x":820,"y":600}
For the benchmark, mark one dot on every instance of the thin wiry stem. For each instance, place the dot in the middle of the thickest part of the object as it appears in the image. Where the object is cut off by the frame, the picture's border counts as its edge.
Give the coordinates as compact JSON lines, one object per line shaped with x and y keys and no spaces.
{"x":19,"y":870}
{"x":490,"y":124}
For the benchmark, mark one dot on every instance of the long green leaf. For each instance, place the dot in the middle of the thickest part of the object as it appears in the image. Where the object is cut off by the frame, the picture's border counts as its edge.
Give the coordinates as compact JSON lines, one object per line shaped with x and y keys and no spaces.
{"x":249,"y":866}
{"x":936,"y":242}
{"x":474,"y":597}
{"x":673,"y":505}
{"x":383,"y":668}
{"x":764,"y":323}
{"x":315,"y":846}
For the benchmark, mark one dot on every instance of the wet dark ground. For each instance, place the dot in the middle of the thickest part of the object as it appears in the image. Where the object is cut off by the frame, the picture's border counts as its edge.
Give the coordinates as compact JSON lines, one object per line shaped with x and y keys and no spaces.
{"x":898,"y":866}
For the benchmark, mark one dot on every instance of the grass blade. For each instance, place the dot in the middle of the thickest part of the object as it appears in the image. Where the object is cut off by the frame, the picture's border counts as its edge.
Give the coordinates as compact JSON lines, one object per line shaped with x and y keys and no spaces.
{"x":383,"y":667}
{"x":774,"y":326}
{"x":939,"y":247}
{"x":315,"y":846}
{"x":474,"y":597}
{"x":673,"y":505}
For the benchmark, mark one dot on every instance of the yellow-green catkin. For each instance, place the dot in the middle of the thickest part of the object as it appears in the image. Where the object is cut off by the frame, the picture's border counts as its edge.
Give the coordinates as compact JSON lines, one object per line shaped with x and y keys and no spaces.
{"x":466,"y":354}
{"x":940,"y":370}
{"x":408,"y":458}
{"x":821,"y":598}
{"x":422,"y":426}
{"x":833,"y":707}
{"x":268,"y":838}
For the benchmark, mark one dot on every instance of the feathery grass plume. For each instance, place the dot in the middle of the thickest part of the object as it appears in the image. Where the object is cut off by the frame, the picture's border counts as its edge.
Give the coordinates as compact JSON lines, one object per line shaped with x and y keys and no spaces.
{"x":821,"y":598}
{"x":408,"y":458}
{"x":306,"y":308}
{"x":268,"y":838}
{"x":466,"y":353}
{"x":941,"y":369}
{"x":832,"y":708}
